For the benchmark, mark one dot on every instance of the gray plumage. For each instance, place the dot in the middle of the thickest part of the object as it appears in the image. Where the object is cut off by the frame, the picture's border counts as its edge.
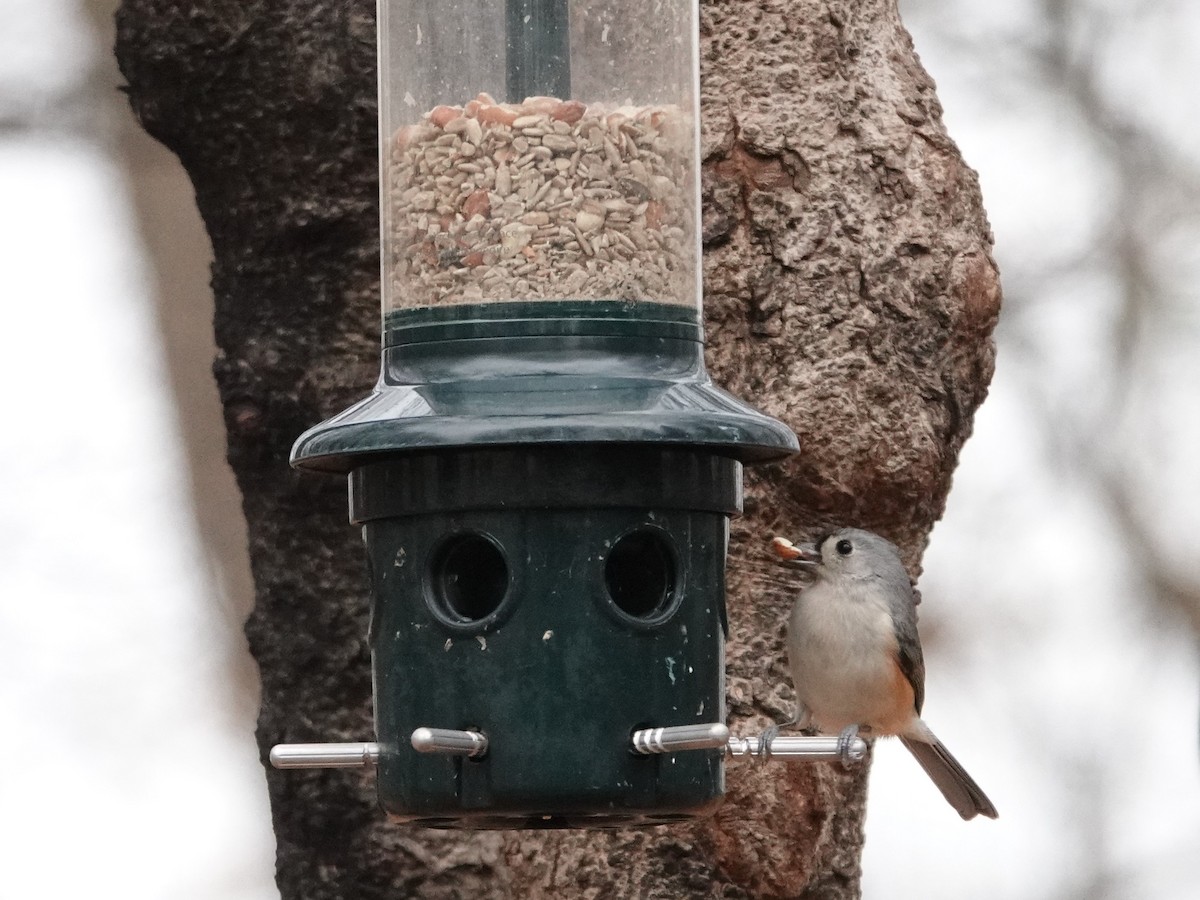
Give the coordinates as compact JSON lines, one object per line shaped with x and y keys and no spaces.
{"x":951,"y":778}
{"x":856,"y":656}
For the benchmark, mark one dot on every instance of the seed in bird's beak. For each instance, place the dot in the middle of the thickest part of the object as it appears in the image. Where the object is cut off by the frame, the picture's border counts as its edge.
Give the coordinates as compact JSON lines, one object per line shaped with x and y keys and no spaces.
{"x":790,"y":553}
{"x":784,"y":548}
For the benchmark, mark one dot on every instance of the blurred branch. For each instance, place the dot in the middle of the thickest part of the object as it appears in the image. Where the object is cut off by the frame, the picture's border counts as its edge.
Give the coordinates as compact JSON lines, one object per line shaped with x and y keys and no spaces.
{"x":1156,"y":189}
{"x":1174,"y":590}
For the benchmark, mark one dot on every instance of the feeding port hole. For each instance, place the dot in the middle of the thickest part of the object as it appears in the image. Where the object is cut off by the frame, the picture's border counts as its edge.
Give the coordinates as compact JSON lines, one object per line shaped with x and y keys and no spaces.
{"x":469,"y":578}
{"x":640,"y":574}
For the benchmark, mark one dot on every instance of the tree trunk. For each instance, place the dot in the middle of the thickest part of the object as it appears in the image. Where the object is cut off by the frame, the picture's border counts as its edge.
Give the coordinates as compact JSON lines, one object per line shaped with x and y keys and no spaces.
{"x":849,"y":291}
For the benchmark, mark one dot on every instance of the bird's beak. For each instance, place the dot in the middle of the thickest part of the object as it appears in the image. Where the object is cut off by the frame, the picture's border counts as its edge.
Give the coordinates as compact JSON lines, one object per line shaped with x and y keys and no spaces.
{"x":806,"y":556}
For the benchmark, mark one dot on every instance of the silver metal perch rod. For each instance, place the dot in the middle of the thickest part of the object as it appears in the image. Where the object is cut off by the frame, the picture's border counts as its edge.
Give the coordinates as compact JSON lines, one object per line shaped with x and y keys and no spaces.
{"x":471,"y":744}
{"x":680,"y":737}
{"x":324,"y":756}
{"x":814,"y":749}
{"x":646,"y":741}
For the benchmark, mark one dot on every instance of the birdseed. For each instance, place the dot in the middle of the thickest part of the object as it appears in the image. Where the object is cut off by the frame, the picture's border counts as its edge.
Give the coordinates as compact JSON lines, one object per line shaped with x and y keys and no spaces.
{"x":547,"y":199}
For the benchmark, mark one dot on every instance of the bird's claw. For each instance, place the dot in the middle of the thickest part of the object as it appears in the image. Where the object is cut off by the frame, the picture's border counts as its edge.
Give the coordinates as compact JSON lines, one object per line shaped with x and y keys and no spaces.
{"x":764,"y":742}
{"x":845,"y":745}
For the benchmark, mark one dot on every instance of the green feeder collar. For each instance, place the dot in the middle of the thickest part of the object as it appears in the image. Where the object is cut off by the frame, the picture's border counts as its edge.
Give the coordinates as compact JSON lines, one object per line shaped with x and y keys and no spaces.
{"x":542,"y":372}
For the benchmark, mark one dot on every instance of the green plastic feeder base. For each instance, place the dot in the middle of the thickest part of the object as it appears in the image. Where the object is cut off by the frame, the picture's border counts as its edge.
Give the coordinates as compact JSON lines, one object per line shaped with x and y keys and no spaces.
{"x":556,"y":599}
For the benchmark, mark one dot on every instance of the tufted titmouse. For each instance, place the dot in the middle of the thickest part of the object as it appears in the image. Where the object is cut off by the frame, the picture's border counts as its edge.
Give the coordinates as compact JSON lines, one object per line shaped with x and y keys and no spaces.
{"x":856,"y":658}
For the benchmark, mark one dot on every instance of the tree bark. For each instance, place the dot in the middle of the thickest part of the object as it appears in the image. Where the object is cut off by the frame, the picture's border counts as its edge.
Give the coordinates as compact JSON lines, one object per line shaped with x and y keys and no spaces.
{"x":850,"y":291}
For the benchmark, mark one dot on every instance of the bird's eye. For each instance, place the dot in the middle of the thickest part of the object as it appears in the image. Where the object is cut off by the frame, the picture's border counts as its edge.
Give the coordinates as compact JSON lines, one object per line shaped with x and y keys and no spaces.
{"x":844,"y":547}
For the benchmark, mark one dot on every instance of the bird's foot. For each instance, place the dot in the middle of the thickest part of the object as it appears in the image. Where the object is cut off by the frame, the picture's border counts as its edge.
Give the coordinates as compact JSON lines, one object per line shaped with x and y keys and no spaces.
{"x":845,"y":745}
{"x":764,"y":742}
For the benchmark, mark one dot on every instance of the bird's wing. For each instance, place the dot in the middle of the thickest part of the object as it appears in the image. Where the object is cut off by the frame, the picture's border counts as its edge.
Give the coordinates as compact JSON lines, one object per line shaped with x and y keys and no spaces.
{"x":912,"y":661}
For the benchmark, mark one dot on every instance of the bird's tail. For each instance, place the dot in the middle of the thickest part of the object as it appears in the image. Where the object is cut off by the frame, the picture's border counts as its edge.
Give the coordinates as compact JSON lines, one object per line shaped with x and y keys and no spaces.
{"x":951,"y":779}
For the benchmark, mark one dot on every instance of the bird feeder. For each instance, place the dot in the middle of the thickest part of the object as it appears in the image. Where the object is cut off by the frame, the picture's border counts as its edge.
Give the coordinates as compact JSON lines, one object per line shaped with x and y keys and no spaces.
{"x":544,"y":473}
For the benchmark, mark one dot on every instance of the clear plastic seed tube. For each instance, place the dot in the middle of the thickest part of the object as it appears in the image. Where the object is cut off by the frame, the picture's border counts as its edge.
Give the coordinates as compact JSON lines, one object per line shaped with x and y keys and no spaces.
{"x":538,"y":150}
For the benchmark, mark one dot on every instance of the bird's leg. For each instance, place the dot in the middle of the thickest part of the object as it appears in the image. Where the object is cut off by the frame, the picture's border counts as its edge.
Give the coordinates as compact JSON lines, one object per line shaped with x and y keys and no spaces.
{"x":803,"y":719}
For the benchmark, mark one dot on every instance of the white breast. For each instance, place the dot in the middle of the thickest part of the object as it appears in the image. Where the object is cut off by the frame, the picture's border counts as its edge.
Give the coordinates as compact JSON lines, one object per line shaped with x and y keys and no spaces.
{"x":842,"y":649}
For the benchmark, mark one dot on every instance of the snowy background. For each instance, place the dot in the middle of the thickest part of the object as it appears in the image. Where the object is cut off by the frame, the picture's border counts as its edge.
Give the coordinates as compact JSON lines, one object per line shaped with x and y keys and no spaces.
{"x":1062,"y":590}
